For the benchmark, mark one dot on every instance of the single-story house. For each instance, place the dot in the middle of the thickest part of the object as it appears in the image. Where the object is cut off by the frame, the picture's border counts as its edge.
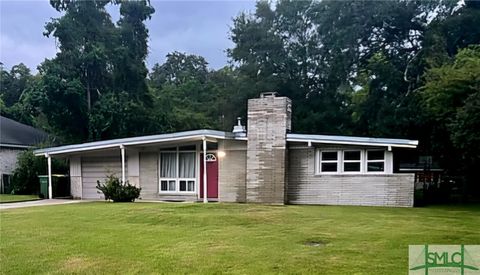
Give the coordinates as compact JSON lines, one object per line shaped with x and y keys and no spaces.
{"x":264,"y":163}
{"x":15,"y":138}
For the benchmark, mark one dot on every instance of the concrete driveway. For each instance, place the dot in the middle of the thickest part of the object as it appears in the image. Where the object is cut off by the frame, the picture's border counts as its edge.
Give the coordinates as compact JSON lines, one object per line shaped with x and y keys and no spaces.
{"x":36,"y":203}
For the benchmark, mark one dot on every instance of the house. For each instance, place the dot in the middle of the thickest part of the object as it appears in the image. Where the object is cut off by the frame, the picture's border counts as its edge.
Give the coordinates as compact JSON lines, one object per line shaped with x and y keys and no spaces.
{"x":264,"y":164}
{"x":15,"y":137}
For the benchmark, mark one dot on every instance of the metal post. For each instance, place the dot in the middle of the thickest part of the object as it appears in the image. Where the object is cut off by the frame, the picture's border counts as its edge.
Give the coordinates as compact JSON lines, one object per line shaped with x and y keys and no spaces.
{"x":49,"y":164}
{"x":122,"y":150}
{"x":205,"y":199}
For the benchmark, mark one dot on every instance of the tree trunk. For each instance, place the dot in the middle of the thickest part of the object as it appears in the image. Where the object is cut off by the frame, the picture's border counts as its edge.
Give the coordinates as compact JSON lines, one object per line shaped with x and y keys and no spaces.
{"x":89,"y":98}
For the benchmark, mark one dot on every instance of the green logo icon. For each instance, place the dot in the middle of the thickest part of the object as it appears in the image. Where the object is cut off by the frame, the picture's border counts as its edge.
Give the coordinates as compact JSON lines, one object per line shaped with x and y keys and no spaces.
{"x":444,"y":259}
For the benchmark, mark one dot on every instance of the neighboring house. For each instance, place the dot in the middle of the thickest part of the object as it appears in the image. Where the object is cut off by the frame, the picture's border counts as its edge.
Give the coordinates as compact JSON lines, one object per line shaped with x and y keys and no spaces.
{"x":265,"y":164}
{"x":15,"y":137}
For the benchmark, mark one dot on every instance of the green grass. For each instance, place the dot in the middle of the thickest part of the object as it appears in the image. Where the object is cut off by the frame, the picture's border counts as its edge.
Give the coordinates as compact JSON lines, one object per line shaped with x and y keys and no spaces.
{"x":147,"y":238}
{"x":16,"y":198}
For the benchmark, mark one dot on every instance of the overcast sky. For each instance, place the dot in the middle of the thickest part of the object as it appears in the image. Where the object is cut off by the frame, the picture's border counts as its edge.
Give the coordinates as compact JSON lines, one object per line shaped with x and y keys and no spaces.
{"x":198,"y":27}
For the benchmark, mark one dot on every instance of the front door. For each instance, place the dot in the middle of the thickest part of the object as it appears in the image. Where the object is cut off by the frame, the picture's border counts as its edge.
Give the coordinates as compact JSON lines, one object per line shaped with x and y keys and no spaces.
{"x":212,"y":176}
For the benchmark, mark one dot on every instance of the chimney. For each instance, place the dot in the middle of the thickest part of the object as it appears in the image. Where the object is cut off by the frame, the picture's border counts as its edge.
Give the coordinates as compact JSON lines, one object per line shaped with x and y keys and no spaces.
{"x":269,"y":120}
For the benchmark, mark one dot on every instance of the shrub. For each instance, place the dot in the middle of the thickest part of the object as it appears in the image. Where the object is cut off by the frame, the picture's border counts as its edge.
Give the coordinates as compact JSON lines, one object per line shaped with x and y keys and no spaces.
{"x":114,"y":190}
{"x":25,"y":176}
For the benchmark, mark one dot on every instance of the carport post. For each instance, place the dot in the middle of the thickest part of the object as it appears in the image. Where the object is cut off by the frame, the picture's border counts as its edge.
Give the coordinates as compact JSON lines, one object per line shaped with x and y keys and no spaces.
{"x":49,"y":164}
{"x":205,"y":199}
{"x":122,"y":149}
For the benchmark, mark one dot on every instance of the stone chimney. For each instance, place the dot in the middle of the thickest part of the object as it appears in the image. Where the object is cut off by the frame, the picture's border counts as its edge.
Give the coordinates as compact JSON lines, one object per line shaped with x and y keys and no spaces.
{"x":269,"y":120}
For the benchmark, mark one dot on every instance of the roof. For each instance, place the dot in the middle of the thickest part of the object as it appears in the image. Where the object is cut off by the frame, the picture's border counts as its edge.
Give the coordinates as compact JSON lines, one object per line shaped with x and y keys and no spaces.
{"x":198,"y":134}
{"x":17,"y":135}
{"x":112,"y":143}
{"x":350,"y":140}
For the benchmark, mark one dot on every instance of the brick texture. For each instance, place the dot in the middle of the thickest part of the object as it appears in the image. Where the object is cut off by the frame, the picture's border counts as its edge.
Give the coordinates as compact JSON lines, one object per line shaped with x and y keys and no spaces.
{"x":268,"y":121}
{"x":232,"y":171}
{"x":304,"y":187}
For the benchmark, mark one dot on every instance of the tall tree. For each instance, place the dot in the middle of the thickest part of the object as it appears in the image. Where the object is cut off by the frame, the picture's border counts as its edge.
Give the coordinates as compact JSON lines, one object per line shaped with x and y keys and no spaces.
{"x":452,"y":97}
{"x":191,"y":96}
{"x":130,"y":68}
{"x":98,"y":65}
{"x":13,"y":83}
{"x":313,"y":51}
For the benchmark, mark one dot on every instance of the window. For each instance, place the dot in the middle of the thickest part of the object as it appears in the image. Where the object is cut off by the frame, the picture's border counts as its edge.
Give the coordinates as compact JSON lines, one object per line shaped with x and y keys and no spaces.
{"x":168,"y":165}
{"x":167,"y":185}
{"x":352,"y":161}
{"x":328,"y":162}
{"x":186,"y":163}
{"x":178,"y":170}
{"x":375,"y":161}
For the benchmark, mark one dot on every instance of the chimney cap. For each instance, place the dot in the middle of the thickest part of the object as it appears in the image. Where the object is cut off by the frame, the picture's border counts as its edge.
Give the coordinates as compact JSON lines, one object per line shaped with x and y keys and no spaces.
{"x":239,"y":129}
{"x":268,"y":94}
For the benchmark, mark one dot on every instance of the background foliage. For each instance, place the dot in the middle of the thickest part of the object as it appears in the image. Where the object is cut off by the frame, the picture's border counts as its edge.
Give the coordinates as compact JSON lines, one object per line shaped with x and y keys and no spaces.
{"x":25,"y":177}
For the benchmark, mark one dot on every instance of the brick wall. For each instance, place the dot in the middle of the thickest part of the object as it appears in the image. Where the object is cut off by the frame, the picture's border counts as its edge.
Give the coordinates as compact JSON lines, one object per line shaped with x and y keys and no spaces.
{"x":232,"y":171}
{"x":304,"y":187}
{"x":8,"y":160}
{"x":268,"y":121}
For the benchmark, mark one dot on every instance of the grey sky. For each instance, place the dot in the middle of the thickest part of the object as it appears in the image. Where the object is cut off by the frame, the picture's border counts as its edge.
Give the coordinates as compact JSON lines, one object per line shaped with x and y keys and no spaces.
{"x":198,"y":27}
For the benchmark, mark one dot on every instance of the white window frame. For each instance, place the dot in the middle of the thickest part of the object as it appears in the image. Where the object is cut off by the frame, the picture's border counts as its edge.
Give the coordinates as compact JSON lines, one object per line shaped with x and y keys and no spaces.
{"x":369,"y":161}
{"x":177,"y":179}
{"x":343,"y":161}
{"x":387,"y":162}
{"x":320,"y":161}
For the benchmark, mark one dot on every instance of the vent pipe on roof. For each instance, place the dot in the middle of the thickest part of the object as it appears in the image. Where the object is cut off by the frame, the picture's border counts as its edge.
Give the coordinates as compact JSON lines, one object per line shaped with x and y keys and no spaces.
{"x":239,"y":129}
{"x":268,"y":94}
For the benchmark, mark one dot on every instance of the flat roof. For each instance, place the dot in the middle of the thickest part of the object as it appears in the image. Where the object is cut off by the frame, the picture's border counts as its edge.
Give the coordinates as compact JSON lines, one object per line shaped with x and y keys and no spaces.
{"x":112,"y":143}
{"x":351,"y":140}
{"x":214,"y":134}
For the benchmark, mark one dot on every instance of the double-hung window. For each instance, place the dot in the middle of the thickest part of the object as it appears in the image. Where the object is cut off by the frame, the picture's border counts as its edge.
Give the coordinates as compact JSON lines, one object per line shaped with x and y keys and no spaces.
{"x":352,"y":161}
{"x":168,"y":171}
{"x":177,"y":171}
{"x":328,"y":162}
{"x":375,"y":160}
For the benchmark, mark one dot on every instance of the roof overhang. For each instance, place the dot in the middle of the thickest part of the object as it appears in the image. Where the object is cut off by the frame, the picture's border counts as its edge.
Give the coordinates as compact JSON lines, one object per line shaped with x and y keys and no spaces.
{"x":209,"y":135}
{"x":15,"y":146}
{"x":349,"y":140}
{"x":212,"y":136}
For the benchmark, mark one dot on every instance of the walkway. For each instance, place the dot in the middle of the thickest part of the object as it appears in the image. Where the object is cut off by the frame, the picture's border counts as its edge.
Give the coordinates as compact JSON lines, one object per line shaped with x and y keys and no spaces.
{"x":36,"y":203}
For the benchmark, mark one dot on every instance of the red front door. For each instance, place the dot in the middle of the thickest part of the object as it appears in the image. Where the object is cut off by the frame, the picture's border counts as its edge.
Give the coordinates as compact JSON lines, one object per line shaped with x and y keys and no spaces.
{"x":212,"y":176}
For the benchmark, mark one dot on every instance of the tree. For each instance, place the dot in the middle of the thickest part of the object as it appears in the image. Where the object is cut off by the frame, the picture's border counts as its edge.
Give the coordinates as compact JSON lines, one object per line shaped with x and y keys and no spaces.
{"x":29,"y":167}
{"x":179,"y":68}
{"x":13,"y":83}
{"x":313,"y":52}
{"x":451,"y":95}
{"x":190,"y":96}
{"x":97,"y":64}
{"x":130,"y":69}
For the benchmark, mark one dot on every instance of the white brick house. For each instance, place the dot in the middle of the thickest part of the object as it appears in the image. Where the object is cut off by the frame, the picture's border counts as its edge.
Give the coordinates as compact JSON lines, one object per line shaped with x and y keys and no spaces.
{"x":265,"y":164}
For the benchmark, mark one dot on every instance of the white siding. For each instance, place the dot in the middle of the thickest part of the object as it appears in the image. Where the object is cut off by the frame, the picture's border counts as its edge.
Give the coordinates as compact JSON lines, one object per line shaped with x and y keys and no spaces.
{"x":75,"y":167}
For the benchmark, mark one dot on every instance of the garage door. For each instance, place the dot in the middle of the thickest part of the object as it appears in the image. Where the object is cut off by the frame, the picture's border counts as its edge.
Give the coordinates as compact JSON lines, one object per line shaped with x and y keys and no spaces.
{"x":97,"y":168}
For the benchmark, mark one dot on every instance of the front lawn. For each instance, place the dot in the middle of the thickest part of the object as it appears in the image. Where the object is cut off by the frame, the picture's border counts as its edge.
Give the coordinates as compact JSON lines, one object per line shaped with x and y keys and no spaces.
{"x":148,"y":238}
{"x":16,"y":198}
